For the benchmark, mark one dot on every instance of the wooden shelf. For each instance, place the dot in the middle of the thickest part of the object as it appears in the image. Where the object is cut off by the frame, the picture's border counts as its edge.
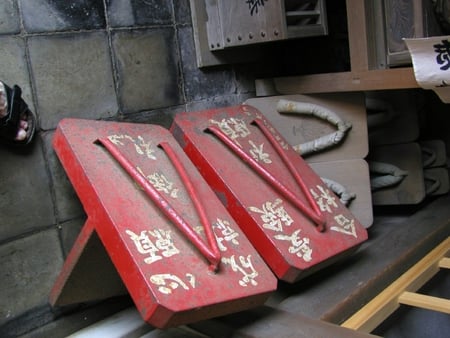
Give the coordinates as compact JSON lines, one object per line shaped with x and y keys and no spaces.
{"x":359,"y":78}
{"x":402,"y":291}
{"x":347,"y":81}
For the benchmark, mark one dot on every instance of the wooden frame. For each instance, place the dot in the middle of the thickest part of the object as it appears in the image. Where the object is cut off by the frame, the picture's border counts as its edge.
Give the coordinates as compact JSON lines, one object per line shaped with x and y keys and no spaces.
{"x":249,"y":50}
{"x":360,"y":77}
{"x":402,"y":291}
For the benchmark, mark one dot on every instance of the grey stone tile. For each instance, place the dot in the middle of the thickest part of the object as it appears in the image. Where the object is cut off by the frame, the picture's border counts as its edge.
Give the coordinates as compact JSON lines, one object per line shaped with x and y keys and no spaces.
{"x":56,"y":15}
{"x":201,"y":83}
{"x":25,"y":199}
{"x":73,"y":77}
{"x":245,"y":78}
{"x":9,"y":17}
{"x":14,"y":68}
{"x":217,"y":102}
{"x":147,"y":69}
{"x":68,"y":205}
{"x":127,"y":13}
{"x":182,"y":12}
{"x":69,"y":233}
{"x":162,"y":117}
{"x":28,"y":269}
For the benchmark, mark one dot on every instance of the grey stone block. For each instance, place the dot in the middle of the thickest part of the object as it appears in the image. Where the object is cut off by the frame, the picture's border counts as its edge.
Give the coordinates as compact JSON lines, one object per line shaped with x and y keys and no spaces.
{"x":202,"y":83}
{"x":73,"y":77}
{"x":28,"y":269}
{"x":55,"y":15}
{"x":147,"y":69}
{"x":25,"y":199}
{"x":125,"y":13}
{"x":9,"y":17}
{"x":68,"y":205}
{"x":13,"y":69}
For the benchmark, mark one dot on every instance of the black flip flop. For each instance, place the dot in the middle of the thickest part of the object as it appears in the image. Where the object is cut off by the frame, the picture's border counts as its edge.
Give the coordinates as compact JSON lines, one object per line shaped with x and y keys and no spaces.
{"x":17,"y":110}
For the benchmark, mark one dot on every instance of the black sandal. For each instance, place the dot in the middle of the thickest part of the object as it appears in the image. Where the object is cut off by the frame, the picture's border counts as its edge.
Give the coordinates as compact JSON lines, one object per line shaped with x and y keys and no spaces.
{"x":17,"y":110}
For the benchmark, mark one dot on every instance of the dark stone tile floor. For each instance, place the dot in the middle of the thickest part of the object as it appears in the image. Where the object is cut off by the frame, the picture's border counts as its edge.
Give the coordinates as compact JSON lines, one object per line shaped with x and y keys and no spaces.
{"x":122,"y":60}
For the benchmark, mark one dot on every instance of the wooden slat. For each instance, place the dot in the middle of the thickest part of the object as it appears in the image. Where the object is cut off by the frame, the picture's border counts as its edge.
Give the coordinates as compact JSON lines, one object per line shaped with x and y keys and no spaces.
{"x":444,"y":263}
{"x":383,"y":305}
{"x":302,"y":14}
{"x":360,"y":77}
{"x":381,"y":79}
{"x":357,"y":35}
{"x":425,"y":301}
{"x":205,"y":57}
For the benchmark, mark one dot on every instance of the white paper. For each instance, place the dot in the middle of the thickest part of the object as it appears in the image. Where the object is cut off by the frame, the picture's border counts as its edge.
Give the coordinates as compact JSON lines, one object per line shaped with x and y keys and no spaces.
{"x":431,"y":63}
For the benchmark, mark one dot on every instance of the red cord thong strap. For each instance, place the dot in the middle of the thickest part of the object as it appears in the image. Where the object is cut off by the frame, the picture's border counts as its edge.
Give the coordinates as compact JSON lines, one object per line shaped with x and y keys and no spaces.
{"x":209,"y":250}
{"x":312,"y":211}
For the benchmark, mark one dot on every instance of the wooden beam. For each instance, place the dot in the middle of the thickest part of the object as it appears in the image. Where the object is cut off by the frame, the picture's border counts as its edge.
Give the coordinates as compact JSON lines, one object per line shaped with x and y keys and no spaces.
{"x":398,"y":78}
{"x":425,"y":301}
{"x":444,"y":263}
{"x":357,"y":35}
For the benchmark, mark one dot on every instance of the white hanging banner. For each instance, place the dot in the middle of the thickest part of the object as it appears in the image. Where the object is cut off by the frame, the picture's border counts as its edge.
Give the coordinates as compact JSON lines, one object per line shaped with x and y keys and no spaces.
{"x":431,"y":62}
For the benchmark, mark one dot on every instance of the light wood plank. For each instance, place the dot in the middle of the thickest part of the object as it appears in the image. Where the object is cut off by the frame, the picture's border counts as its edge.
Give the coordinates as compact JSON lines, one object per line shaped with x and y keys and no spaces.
{"x":383,"y":305}
{"x":381,"y":79}
{"x":425,"y":301}
{"x":444,"y":263}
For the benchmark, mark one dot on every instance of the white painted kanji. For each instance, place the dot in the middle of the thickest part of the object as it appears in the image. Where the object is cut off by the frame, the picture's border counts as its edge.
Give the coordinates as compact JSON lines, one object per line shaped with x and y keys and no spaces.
{"x":300,"y":246}
{"x":257,"y":152}
{"x":325,"y":199}
{"x":161,"y":183}
{"x":155,"y":244}
{"x":232,"y":127}
{"x":273,"y":215}
{"x":245,"y":267}
{"x":142,"y":147}
{"x":168,"y":282}
{"x":227,"y":234}
{"x":345,"y":225}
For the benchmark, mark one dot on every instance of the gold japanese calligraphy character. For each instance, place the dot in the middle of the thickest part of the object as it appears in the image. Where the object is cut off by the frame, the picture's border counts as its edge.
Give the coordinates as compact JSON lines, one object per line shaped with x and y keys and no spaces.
{"x":227,"y":234}
{"x":345,"y":225}
{"x":325,"y":199}
{"x":258,"y":153}
{"x":234,"y":128}
{"x":141,"y":146}
{"x":161,"y":183}
{"x":273,"y":215}
{"x":299,"y":246}
{"x":244,"y":265}
{"x":155,"y":244}
{"x":168,"y":282}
